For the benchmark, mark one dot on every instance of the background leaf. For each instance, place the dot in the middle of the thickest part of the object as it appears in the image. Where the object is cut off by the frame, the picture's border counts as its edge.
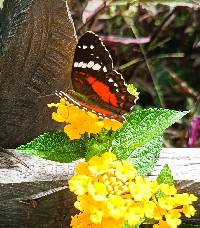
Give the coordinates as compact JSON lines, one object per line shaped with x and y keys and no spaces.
{"x":55,"y":146}
{"x":189,"y":3}
{"x":1,"y":4}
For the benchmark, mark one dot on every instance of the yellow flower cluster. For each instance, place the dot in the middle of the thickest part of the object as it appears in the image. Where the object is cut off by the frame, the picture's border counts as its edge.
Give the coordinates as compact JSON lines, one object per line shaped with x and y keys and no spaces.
{"x":110,"y":193}
{"x":79,"y":121}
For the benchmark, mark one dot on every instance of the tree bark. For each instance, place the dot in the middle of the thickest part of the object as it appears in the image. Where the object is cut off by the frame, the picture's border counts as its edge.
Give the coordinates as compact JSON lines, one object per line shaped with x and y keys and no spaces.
{"x":36,"y":52}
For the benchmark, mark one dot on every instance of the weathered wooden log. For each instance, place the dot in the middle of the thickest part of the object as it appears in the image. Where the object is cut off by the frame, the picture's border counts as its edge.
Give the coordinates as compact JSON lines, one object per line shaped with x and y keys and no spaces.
{"x":37,"y":42}
{"x":38,"y":197}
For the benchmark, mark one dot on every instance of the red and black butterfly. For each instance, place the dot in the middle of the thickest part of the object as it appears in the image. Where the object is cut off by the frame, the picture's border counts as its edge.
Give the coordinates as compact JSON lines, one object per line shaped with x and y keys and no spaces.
{"x":97,"y":87}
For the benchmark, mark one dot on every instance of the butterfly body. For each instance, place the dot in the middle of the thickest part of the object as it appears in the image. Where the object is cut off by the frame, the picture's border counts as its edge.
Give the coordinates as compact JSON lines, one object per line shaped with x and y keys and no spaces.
{"x":102,"y":89}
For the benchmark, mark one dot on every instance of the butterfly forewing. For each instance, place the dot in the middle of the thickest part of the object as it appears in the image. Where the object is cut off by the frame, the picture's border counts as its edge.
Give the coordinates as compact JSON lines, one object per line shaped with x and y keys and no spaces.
{"x":92,"y":55}
{"x":94,"y":77}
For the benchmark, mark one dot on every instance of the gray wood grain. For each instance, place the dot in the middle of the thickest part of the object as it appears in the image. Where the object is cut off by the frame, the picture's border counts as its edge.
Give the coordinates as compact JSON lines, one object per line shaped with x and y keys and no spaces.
{"x":37,"y":196}
{"x":37,"y":42}
{"x":21,"y":208}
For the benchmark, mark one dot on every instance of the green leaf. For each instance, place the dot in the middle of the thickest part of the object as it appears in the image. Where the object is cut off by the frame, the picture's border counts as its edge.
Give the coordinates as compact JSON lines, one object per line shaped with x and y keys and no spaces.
{"x":189,"y":226}
{"x":141,"y":127}
{"x":174,"y":3}
{"x":99,"y":144}
{"x":165,"y":176}
{"x":132,"y":90}
{"x":93,"y":147}
{"x":140,"y":137}
{"x":1,"y":4}
{"x":147,"y":223}
{"x":127,"y":226}
{"x":145,"y":158}
{"x":55,"y":146}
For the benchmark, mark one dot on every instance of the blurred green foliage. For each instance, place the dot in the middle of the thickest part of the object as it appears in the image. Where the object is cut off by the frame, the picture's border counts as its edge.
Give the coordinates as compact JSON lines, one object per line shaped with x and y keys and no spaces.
{"x":166,"y":69}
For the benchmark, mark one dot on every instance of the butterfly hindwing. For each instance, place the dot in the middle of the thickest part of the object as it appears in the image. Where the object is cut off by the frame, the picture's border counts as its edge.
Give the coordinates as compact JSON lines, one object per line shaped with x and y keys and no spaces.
{"x":91,"y":107}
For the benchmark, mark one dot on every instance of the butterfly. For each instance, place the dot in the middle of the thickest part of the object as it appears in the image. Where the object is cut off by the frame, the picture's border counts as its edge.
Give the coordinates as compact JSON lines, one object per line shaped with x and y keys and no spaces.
{"x":97,"y":87}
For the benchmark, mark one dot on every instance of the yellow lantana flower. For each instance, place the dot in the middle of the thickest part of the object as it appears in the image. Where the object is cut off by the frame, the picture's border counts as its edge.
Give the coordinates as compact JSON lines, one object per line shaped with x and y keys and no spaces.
{"x":111,"y":193}
{"x":166,"y":202}
{"x":188,"y":211}
{"x":79,"y":121}
{"x":172,"y":221}
{"x":82,"y":181}
{"x":98,"y":191}
{"x":116,"y":206}
{"x":81,"y":220}
{"x":162,"y":224}
{"x":168,"y":190}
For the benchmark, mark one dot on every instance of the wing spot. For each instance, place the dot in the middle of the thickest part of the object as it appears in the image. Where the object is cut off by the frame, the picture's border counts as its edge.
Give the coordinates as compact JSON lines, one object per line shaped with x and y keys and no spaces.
{"x":84,"y":46}
{"x":90,"y":64}
{"x":115,"y":84}
{"x":84,"y":65}
{"x":80,"y":64}
{"x":104,"y":69}
{"x":79,"y":46}
{"x":76,"y":64}
{"x":96,"y":67}
{"x":91,"y":46}
{"x":110,"y":80}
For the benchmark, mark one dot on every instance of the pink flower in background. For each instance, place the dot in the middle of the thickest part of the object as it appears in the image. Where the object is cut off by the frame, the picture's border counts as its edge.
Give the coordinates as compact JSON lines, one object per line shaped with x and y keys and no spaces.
{"x":194,"y":132}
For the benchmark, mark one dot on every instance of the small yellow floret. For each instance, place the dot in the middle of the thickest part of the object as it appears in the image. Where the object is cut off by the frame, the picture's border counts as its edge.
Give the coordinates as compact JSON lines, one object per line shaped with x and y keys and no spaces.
{"x":111,"y":193}
{"x":189,"y":211}
{"x":79,"y":122}
{"x":168,"y":189}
